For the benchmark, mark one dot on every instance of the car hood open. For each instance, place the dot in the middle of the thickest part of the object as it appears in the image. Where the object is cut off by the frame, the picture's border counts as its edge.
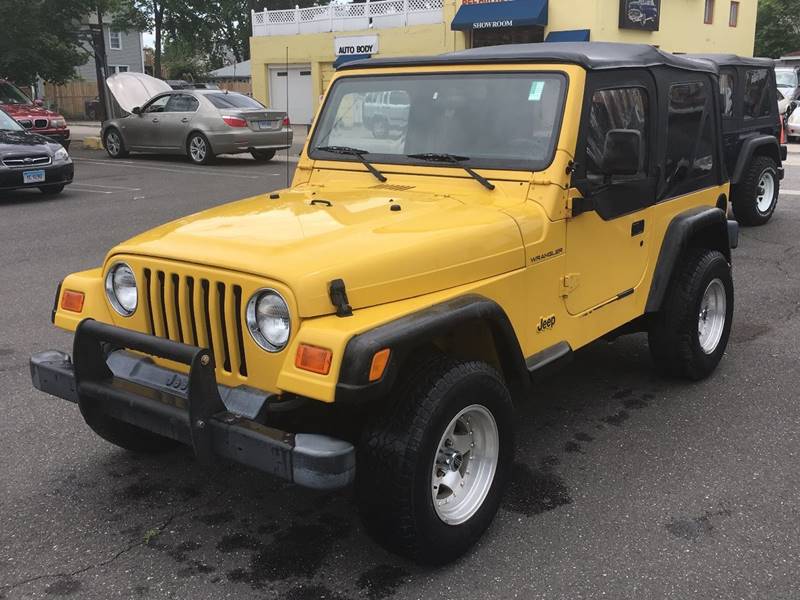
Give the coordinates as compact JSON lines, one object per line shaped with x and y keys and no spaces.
{"x":306,"y":241}
{"x":135,"y":89}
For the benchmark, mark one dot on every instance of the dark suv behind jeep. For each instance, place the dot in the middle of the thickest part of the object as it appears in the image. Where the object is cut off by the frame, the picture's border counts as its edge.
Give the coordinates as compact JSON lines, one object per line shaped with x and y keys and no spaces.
{"x":751,"y":130}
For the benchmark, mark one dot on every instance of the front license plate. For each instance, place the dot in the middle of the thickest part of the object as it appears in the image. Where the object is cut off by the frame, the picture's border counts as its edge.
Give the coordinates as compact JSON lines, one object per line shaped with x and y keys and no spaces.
{"x":36,"y":176}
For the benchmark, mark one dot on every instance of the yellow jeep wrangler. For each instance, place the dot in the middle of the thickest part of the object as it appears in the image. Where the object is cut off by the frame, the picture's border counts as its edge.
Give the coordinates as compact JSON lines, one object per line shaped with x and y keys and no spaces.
{"x":437,"y":251}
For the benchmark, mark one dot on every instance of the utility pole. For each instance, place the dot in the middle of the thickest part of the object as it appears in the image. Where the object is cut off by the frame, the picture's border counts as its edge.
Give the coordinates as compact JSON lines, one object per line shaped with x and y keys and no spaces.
{"x":100,"y":65}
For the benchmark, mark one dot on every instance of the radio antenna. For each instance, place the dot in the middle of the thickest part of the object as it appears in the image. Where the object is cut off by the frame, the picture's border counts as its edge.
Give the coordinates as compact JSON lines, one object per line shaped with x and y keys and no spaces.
{"x":288,"y":129}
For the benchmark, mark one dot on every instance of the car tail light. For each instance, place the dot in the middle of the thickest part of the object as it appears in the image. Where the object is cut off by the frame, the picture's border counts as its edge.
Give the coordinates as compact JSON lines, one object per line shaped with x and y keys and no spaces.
{"x":314,"y":359}
{"x":285,"y":122}
{"x":235,"y":121}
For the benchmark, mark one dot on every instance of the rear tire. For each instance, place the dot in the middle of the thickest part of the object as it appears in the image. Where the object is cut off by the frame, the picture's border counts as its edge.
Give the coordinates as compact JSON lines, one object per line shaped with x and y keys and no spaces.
{"x":263,"y":155}
{"x":198,"y":149}
{"x":403,"y":486}
{"x":755,"y":197}
{"x":689,"y":335}
{"x":114,"y":144}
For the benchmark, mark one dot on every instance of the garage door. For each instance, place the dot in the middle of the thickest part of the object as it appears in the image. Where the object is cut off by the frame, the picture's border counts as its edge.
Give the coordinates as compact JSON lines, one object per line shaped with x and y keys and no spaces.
{"x":298,"y":80}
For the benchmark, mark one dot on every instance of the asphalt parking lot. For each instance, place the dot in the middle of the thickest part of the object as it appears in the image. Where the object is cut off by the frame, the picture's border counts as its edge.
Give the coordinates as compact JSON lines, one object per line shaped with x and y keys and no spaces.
{"x":625,"y":486}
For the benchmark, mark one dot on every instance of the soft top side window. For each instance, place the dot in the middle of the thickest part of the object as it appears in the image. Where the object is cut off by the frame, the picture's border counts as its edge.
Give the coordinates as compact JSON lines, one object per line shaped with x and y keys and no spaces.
{"x":726,"y":91}
{"x":756,"y":94}
{"x":618,"y":108}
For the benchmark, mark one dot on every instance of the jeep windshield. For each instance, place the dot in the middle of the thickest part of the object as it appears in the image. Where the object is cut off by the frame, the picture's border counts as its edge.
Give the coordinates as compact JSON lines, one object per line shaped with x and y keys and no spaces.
{"x":489,"y":120}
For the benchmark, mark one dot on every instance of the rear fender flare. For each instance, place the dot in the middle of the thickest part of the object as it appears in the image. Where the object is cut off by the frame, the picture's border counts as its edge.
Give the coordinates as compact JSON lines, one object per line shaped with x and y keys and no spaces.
{"x":703,"y":226}
{"x":762,"y":144}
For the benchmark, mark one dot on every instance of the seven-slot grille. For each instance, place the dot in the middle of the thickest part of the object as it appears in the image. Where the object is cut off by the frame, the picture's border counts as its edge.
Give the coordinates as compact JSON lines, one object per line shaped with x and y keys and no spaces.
{"x":33,"y":160}
{"x":199,"y":312}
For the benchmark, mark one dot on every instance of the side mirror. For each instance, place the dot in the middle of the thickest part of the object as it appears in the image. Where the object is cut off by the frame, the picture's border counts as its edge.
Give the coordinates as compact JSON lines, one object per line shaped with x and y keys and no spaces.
{"x":38,"y":102}
{"x":137,"y":110}
{"x":622,"y":152}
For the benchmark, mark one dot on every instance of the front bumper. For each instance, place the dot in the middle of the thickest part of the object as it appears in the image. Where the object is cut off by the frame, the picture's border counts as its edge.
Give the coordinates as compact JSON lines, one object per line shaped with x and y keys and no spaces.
{"x":60,"y":136}
{"x":11,"y":179}
{"x":245,"y":140}
{"x":188,"y":408}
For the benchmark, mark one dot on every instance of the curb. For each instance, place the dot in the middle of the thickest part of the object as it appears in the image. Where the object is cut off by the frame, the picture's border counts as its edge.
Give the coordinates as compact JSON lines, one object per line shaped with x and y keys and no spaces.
{"x":92,"y":142}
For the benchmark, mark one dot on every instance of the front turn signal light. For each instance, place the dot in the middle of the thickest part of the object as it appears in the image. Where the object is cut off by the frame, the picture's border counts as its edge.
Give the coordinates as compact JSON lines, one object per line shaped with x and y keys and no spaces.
{"x":72,"y":301}
{"x":314,"y":359}
{"x":379,"y":361}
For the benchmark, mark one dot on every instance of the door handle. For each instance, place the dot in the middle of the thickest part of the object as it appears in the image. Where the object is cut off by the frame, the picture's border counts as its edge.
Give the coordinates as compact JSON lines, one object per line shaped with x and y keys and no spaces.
{"x":637,"y":228}
{"x":185,"y":120}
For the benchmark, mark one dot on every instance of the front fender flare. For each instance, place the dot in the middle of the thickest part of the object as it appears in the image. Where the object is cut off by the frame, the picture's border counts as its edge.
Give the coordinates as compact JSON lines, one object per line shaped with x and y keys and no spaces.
{"x":409,"y":332}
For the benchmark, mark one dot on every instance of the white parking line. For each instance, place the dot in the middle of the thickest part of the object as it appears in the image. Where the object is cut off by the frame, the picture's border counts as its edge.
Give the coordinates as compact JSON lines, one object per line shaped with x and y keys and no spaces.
{"x":109,"y":187}
{"x":790,"y":192}
{"x":75,"y":188}
{"x":191,"y":170}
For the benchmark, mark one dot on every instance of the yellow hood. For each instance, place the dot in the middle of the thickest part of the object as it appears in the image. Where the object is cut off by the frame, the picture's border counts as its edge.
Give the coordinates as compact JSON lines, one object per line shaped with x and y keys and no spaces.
{"x":383,"y":255}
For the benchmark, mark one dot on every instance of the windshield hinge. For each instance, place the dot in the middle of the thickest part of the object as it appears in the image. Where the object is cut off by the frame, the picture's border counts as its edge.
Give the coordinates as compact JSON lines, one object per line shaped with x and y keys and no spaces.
{"x":338,"y":296}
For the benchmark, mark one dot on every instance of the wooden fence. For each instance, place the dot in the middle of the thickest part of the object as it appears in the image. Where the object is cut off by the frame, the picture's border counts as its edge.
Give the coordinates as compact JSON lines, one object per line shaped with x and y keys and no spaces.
{"x":70,"y":99}
{"x":76,"y":99}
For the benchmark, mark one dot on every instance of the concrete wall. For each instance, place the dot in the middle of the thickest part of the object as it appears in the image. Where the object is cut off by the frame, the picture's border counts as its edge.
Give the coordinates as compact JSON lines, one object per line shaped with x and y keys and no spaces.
{"x":681,"y":28}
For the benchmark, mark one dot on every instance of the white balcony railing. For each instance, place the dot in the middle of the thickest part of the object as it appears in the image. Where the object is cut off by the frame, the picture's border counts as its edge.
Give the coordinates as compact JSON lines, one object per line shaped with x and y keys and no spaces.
{"x":382,"y":14}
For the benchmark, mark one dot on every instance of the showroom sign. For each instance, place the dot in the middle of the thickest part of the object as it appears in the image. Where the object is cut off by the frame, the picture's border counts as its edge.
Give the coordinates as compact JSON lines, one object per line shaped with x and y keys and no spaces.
{"x":360,"y":44}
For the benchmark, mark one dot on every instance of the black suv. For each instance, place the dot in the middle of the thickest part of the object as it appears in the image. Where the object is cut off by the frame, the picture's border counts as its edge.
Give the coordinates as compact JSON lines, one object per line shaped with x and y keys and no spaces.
{"x":751,"y":131}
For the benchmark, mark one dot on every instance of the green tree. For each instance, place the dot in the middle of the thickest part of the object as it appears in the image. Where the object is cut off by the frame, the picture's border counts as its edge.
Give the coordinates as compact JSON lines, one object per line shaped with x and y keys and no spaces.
{"x":777,"y":27}
{"x":42,"y":38}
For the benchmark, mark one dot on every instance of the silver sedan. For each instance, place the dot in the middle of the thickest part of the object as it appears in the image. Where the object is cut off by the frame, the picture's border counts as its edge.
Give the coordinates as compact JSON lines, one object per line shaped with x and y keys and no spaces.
{"x":200,"y":124}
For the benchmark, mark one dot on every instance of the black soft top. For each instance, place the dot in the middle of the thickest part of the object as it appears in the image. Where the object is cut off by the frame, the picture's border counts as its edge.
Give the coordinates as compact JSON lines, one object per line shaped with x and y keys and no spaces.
{"x":732,"y":60}
{"x":590,"y":55}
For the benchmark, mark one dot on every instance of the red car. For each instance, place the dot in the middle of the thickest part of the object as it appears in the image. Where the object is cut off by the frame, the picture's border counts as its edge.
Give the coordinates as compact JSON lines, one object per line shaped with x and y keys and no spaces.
{"x":31,"y":115}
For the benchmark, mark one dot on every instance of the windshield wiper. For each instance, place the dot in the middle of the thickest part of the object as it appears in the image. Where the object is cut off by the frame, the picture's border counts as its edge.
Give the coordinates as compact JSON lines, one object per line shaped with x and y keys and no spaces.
{"x":358,"y":154}
{"x":455,"y":160}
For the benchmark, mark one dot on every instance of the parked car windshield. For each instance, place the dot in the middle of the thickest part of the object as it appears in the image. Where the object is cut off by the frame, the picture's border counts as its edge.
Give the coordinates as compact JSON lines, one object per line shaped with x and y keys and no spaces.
{"x":490,"y":120}
{"x":233,"y":100}
{"x":786,"y":78}
{"x":10,"y":94}
{"x":8,"y":124}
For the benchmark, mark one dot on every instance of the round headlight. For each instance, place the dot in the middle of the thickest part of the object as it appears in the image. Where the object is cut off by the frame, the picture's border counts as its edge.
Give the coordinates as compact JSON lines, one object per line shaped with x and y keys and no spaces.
{"x":121,"y":289}
{"x":268,"y":320}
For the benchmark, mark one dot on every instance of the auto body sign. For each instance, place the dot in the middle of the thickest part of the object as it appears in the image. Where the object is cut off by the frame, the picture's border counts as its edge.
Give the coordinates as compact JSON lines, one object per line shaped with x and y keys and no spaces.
{"x":361,"y":44}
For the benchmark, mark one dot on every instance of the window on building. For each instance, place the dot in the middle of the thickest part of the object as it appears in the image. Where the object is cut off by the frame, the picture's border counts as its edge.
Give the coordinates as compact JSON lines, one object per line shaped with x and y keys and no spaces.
{"x":708,"y":16}
{"x":117,"y":69}
{"x":756,"y":94}
{"x":690,"y":148}
{"x":498,"y":36}
{"x":115,"y":40}
{"x":623,"y":108}
{"x":733,"y":20}
{"x":726,"y":83}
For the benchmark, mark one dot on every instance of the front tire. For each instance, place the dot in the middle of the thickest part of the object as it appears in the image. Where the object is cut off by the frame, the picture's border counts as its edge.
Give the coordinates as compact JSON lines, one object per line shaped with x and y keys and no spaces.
{"x":433,"y":465}
{"x":198,"y":149}
{"x":129,"y":437}
{"x":755,"y":197}
{"x":52,"y":190}
{"x":689,"y":335}
{"x":114,"y":144}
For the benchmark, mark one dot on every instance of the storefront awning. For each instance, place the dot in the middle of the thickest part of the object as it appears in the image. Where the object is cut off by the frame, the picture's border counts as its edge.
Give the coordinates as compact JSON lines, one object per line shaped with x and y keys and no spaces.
{"x":572,"y":35}
{"x":508,"y":13}
{"x":346,"y":58}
